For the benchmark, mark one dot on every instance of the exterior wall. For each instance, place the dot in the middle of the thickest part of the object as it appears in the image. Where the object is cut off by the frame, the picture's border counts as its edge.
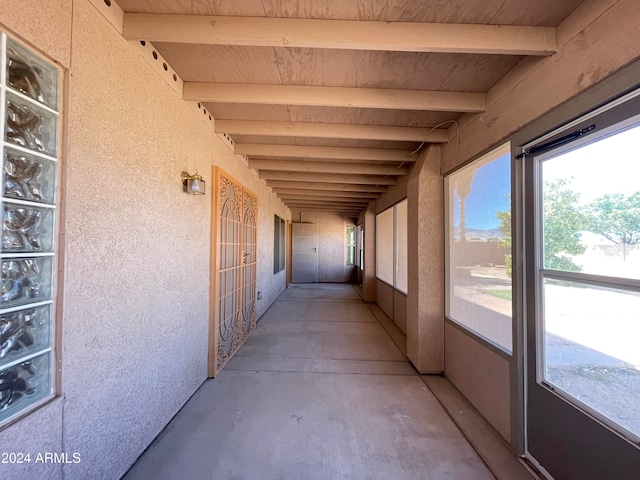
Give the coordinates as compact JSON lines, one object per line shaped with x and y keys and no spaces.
{"x":384,"y":297}
{"x":369,"y":281}
{"x":400,"y":310}
{"x":597,"y":40}
{"x":44,"y":24}
{"x":425,"y":299}
{"x":332,"y":251}
{"x":395,"y":194}
{"x":391,"y":301}
{"x":481,"y":375}
{"x":136,"y":250}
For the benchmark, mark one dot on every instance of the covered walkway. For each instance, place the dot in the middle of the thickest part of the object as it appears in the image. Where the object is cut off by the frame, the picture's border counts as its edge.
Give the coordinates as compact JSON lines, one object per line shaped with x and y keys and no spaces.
{"x":321,"y":390}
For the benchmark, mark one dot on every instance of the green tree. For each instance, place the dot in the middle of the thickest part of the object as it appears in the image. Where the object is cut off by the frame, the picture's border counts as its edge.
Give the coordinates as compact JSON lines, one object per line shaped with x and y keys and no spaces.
{"x":562,"y":220}
{"x":505,"y":228}
{"x":617,"y":218}
{"x":562,"y":223}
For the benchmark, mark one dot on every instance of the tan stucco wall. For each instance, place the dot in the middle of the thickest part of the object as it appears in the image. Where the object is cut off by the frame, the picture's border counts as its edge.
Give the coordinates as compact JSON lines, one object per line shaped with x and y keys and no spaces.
{"x":481,"y":375}
{"x":425,"y":299}
{"x":136,"y":249}
{"x":45,"y":24}
{"x":369,"y":282}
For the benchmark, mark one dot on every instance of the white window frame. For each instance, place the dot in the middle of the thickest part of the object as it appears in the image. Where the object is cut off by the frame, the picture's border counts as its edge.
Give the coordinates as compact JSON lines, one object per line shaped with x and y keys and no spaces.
{"x":351,"y":246}
{"x":394,"y":281}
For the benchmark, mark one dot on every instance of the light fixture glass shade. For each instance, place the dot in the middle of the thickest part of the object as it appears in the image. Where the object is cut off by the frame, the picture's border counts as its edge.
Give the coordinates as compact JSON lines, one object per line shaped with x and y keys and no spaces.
{"x":193,"y":184}
{"x":196,"y":186}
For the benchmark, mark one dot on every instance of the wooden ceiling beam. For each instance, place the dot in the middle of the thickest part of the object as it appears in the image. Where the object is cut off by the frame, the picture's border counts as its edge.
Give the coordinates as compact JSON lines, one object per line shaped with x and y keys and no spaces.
{"x":343,"y":153}
{"x":341,"y":34}
{"x":346,"y":213}
{"x":327,"y":167}
{"x":321,"y":187}
{"x":321,"y":199}
{"x":328,"y":204}
{"x":323,"y":193}
{"x":384,"y":98}
{"x":328,"y":178}
{"x":331,"y":130}
{"x":344,"y":208}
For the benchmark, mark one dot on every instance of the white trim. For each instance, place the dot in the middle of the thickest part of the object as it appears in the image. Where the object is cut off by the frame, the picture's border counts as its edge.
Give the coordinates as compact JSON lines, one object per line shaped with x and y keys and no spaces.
{"x":25,"y":307}
{"x":28,"y":203}
{"x":111,"y":13}
{"x":27,"y":357}
{"x":33,"y":101}
{"x":618,"y":283}
{"x":26,"y":255}
{"x":44,"y":156}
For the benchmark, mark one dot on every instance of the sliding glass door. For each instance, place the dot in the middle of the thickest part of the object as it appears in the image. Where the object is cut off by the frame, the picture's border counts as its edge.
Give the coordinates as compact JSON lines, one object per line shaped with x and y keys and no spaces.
{"x":583,"y":284}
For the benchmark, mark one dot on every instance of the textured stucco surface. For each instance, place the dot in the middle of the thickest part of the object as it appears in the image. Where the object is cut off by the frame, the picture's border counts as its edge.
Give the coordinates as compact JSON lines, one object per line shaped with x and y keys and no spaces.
{"x":332,"y":236}
{"x":41,"y":433}
{"x":135,"y":322}
{"x":425,"y":299}
{"x":394,"y":195}
{"x":481,"y":375}
{"x":137,"y":249}
{"x":45,"y":24}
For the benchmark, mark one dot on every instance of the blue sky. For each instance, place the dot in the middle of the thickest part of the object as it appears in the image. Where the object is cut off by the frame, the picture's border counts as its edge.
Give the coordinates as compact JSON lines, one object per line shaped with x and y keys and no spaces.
{"x":489,"y":194}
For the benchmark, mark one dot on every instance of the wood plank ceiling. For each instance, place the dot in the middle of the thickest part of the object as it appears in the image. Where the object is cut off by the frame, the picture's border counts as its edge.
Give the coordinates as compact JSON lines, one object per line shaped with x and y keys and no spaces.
{"x":331,"y":99}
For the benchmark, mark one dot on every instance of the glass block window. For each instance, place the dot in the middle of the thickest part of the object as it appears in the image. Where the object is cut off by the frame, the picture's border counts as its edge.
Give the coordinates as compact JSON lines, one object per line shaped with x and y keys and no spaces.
{"x":29,"y":119}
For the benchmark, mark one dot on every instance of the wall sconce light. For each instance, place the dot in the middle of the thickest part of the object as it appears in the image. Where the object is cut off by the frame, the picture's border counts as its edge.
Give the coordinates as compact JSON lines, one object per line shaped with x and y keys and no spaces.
{"x":193,"y":184}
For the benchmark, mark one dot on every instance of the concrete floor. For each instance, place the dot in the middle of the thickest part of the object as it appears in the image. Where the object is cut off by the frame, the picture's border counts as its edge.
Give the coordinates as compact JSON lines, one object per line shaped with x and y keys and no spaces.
{"x":319,"y":391}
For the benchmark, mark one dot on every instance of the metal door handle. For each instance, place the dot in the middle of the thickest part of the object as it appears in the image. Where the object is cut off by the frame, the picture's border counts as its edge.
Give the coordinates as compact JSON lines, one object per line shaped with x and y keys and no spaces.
{"x":244,"y":257}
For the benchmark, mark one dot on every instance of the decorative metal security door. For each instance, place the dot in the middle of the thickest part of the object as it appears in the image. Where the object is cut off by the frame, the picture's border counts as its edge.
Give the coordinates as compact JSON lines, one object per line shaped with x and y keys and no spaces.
{"x":249,"y":265}
{"x":234,"y":268}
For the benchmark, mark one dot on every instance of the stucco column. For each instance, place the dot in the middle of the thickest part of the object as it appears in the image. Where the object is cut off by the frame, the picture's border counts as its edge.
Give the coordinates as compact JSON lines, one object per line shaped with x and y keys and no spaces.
{"x":425,"y":298}
{"x":369,"y":285}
